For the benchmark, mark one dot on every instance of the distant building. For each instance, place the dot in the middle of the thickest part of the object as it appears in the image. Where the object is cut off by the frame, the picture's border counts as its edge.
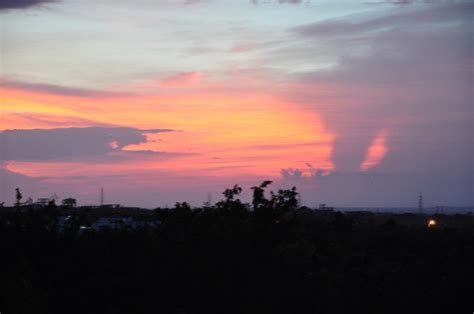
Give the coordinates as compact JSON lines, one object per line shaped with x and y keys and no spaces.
{"x":323,"y":207}
{"x":118,"y":223}
{"x":69,"y":203}
{"x":42,"y":201}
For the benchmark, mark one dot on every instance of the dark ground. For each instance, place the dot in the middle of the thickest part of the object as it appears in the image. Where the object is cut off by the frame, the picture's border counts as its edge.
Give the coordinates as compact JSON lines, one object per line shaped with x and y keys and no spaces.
{"x":226,"y":258}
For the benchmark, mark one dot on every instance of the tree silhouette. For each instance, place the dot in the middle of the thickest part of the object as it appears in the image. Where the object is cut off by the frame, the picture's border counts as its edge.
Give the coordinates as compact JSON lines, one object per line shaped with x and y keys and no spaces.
{"x":182,"y":211}
{"x":285,"y":200}
{"x":230,"y":193}
{"x":227,"y":259}
{"x":51,"y":214}
{"x":18,"y":197}
{"x":232,"y":205}
{"x":259,"y":195}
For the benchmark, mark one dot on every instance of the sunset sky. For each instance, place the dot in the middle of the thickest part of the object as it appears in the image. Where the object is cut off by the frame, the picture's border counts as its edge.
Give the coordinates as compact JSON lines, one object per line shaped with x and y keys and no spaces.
{"x":356,"y":103}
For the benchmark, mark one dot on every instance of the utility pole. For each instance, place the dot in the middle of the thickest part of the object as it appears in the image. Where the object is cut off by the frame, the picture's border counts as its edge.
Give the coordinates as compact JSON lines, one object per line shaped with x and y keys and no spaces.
{"x":209,"y":199}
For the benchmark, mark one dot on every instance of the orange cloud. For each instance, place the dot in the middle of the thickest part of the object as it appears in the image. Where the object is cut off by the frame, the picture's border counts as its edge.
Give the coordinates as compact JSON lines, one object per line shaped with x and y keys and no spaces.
{"x":376,"y":151}
{"x":238,"y":133}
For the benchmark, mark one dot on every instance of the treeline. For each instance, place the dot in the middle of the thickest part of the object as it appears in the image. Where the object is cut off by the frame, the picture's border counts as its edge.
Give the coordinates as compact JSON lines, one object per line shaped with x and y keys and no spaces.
{"x":270,"y":256}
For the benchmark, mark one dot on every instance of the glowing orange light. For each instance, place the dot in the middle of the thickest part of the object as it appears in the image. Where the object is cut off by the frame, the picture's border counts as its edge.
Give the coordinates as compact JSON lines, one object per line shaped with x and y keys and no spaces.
{"x":431,"y":223}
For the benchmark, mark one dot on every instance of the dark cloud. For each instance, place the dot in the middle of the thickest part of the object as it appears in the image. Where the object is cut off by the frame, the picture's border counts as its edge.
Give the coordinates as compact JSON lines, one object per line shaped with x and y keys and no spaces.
{"x":60,"y":90}
{"x":291,"y":174}
{"x":21,"y":4}
{"x":71,"y":143}
{"x":398,"y":65}
{"x":406,"y":1}
{"x":409,"y":71}
{"x":399,"y":18}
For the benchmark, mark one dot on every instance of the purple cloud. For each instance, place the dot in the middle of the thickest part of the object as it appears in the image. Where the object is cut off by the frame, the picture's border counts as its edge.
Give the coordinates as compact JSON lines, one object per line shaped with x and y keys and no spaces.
{"x":400,"y":18}
{"x":60,"y":90}
{"x":71,"y":143}
{"x":21,"y":4}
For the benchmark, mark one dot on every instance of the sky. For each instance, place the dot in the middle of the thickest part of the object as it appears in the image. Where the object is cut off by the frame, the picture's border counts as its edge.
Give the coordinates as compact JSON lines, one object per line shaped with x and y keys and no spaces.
{"x":356,"y":103}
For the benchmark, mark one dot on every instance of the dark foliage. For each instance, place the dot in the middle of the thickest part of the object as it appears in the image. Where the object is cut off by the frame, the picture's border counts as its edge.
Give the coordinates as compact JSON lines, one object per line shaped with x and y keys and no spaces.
{"x":226,"y":258}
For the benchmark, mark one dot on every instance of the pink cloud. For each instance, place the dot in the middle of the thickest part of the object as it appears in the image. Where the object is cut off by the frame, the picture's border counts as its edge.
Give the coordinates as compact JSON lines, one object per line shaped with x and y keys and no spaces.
{"x":376,"y":151}
{"x":243,"y":47}
{"x":181,"y":79}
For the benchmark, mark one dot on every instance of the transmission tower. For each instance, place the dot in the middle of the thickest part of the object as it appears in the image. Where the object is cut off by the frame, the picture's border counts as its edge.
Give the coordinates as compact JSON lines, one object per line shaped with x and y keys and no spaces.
{"x":420,"y":204}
